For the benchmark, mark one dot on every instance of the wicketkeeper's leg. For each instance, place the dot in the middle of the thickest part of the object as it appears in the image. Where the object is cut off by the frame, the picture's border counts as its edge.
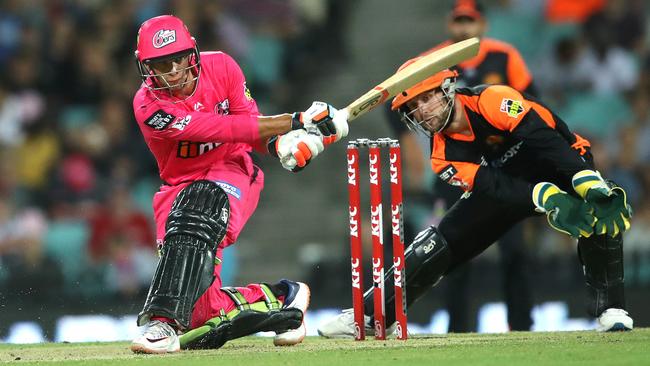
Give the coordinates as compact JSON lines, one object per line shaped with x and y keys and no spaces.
{"x":602,"y":262}
{"x":467,"y":229}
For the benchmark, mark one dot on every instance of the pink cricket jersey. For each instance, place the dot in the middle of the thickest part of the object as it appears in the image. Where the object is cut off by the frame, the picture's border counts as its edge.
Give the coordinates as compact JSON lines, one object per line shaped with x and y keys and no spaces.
{"x":214,"y":128}
{"x":207,"y":136}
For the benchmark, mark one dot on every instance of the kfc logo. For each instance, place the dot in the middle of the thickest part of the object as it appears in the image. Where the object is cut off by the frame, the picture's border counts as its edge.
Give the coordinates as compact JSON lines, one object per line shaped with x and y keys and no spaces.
{"x":356,"y":274}
{"x":354,"y":225}
{"x":393,"y":168}
{"x":352,"y":177}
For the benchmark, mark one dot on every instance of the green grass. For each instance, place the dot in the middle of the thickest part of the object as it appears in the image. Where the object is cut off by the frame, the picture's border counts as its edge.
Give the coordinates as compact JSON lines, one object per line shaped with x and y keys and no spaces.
{"x":516,"y":348}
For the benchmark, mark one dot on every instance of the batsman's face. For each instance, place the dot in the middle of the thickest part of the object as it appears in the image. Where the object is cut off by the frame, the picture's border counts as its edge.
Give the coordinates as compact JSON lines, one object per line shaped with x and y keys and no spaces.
{"x":174,"y":73}
{"x":429,"y":109}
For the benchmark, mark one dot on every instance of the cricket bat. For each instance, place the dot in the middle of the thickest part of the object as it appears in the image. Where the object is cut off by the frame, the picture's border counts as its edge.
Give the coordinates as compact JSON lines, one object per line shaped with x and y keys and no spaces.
{"x":419,"y":70}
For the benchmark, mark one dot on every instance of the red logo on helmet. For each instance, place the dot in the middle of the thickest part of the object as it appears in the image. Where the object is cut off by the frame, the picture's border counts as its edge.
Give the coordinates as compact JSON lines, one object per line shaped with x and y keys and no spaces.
{"x":164,"y":37}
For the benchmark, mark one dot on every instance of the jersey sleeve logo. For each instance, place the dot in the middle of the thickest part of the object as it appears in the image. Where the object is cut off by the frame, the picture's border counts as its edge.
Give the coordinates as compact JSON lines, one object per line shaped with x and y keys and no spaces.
{"x":247,"y":93}
{"x":512,"y":108}
{"x":159,"y":120}
{"x":182,"y":122}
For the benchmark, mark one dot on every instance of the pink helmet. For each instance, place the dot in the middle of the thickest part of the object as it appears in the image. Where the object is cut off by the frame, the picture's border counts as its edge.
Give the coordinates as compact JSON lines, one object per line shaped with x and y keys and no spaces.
{"x":164,"y":37}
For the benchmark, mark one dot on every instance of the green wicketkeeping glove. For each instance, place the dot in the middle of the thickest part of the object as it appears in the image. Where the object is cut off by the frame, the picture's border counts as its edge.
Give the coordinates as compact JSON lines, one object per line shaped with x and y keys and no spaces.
{"x":564,"y":212}
{"x":610,"y":204}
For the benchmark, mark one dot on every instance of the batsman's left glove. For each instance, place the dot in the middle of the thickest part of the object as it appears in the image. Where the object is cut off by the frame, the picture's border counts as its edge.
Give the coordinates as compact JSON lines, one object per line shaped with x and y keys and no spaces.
{"x":609,"y":202}
{"x":331,"y":123}
{"x":295,"y":149}
{"x":564,"y":212}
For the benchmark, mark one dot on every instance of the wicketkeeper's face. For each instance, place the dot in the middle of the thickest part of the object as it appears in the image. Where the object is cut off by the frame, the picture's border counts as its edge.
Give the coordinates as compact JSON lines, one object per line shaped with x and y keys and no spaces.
{"x":430,"y":109}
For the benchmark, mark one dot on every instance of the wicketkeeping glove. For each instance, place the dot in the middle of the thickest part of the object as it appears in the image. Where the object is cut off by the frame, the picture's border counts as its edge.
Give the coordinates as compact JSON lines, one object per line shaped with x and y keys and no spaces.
{"x":609,"y":203}
{"x":330,"y":122}
{"x":295,"y":149}
{"x":564,"y":212}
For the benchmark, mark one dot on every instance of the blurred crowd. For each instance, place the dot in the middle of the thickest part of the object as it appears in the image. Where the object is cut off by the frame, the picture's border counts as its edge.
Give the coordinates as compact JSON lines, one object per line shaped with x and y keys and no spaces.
{"x":591,"y":63}
{"x":76,"y":178}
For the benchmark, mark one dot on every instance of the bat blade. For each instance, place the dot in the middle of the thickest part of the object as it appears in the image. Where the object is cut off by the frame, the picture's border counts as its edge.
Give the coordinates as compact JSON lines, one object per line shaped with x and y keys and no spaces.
{"x":413,"y":74}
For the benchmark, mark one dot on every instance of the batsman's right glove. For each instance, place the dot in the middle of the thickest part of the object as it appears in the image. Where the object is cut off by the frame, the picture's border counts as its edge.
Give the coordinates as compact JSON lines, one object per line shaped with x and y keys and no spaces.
{"x":564,"y":212}
{"x":295,"y":149}
{"x":331,"y":123}
{"x":609,"y":203}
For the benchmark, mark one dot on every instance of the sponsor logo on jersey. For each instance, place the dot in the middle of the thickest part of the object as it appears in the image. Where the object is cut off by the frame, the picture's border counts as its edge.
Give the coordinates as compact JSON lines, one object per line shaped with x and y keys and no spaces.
{"x":198,"y":106}
{"x":223,"y":107}
{"x":164,"y":37}
{"x":229,"y":188}
{"x":512,"y":108}
{"x":189,"y":149}
{"x":159,"y":120}
{"x":182,"y":122}
{"x":447,"y":173}
{"x":509,"y":154}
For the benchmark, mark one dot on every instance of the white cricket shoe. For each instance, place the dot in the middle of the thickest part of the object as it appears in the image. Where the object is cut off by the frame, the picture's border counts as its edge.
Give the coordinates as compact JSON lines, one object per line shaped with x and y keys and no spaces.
{"x":159,"y":337}
{"x":613,"y":320}
{"x":342,"y":326}
{"x":297,"y":297}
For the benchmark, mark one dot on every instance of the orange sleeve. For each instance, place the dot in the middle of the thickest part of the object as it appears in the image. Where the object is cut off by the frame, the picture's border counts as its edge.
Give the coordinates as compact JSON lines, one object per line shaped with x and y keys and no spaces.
{"x":503,"y":107}
{"x":518,"y":74}
{"x":456,"y":173}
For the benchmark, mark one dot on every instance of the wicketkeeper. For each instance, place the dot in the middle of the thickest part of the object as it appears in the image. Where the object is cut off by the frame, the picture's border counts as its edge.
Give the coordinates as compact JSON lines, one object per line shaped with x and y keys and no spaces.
{"x":514,"y":158}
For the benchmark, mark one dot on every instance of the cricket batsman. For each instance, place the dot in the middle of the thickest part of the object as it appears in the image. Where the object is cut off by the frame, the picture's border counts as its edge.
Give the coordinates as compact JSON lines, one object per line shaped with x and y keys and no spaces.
{"x":201,"y":123}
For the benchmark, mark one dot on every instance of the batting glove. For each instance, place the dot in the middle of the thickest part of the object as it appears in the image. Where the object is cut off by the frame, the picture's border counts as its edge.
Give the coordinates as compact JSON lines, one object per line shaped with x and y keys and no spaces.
{"x":609,"y":203}
{"x":564,"y":212}
{"x":295,"y":149}
{"x":331,"y":123}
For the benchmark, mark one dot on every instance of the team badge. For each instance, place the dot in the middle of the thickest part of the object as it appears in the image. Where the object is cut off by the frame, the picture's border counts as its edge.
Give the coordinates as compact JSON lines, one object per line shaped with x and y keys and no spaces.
{"x":512,"y":108}
{"x":180,"y":123}
{"x":164,"y":37}
{"x":222,"y":108}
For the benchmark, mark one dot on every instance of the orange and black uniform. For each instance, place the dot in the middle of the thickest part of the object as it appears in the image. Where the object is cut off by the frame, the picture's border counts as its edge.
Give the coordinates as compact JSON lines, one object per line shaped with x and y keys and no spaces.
{"x":496,"y":63}
{"x":515,"y":142}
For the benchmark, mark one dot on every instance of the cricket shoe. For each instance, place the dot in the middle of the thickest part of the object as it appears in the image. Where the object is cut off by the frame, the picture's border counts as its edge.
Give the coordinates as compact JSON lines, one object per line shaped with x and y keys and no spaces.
{"x":342,"y":326}
{"x":159,"y":337}
{"x":297,"y":297}
{"x":614,"y":320}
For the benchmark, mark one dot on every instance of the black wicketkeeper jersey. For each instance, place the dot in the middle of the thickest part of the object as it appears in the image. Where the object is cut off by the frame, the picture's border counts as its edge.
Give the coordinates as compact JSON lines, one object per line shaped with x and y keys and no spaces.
{"x":515,"y":142}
